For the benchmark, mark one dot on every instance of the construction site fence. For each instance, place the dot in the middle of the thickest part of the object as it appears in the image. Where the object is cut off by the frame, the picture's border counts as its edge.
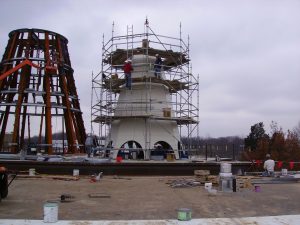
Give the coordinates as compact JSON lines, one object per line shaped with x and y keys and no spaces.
{"x":205,"y":152}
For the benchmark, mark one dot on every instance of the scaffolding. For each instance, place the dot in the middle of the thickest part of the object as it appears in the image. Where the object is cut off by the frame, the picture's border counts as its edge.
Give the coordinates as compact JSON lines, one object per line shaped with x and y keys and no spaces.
{"x":182,"y":85}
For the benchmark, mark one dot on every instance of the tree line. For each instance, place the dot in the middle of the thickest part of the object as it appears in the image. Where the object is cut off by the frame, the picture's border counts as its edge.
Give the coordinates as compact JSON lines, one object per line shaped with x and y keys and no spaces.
{"x":283,"y":146}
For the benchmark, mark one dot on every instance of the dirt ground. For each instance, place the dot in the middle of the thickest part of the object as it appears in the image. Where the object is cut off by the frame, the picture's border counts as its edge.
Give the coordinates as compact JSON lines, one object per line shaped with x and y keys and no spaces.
{"x":127,"y":198}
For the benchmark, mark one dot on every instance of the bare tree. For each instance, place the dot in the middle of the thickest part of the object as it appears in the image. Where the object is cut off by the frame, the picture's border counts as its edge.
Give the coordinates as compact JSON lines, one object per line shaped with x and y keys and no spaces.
{"x":297,"y":130}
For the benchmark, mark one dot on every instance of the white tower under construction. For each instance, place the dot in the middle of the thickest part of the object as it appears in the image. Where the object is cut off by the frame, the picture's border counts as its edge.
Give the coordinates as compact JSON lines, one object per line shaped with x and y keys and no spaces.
{"x":148,"y":120}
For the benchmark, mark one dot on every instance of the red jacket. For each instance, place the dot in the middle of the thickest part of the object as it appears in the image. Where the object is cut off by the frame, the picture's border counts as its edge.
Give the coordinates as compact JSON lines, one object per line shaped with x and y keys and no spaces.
{"x":127,"y":68}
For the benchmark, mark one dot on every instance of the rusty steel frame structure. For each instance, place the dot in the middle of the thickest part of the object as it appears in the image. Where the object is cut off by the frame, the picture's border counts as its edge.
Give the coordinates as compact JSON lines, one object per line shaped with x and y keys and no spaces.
{"x":36,"y":81}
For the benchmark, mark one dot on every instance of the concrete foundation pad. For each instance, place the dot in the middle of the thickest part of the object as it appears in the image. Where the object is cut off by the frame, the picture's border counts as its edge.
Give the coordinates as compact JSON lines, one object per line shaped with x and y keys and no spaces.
{"x":138,"y":199}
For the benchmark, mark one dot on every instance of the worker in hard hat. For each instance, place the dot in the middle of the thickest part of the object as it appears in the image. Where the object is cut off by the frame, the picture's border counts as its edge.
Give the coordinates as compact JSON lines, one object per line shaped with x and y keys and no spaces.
{"x":127,"y":71}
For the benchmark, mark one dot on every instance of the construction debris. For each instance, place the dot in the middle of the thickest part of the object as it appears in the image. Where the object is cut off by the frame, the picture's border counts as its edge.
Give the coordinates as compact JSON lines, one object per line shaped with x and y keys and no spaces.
{"x":277,"y":180}
{"x":99,"y":195}
{"x":124,"y":178}
{"x":213,"y":179}
{"x":201,"y":172}
{"x":66,"y":198}
{"x":244,"y":182}
{"x":55,"y":177}
{"x":249,"y":181}
{"x":183,"y":183}
{"x":96,"y":177}
{"x":203,"y":176}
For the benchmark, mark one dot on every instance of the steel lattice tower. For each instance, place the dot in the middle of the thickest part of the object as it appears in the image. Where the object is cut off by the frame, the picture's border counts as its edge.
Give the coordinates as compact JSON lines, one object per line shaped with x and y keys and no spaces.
{"x":38,"y":93}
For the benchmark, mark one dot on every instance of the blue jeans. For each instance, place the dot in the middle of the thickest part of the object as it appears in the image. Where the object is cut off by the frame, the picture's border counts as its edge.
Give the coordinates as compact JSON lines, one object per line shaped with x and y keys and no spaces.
{"x":157,"y":71}
{"x":268,"y":173}
{"x":89,"y":150}
{"x":128,"y":80}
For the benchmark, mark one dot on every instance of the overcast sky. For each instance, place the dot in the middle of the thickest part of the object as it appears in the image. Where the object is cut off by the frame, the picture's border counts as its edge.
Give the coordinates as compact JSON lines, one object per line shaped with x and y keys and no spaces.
{"x":247,"y":53}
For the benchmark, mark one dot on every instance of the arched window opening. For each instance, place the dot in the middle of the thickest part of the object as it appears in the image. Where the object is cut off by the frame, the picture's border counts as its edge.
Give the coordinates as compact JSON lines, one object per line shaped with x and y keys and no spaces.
{"x":160,"y":151}
{"x":131,"y":150}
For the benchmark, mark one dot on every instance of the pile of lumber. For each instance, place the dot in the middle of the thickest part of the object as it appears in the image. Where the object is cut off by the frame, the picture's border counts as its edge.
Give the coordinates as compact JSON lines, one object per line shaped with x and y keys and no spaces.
{"x":203,"y":176}
{"x":45,"y":176}
{"x":244,"y":182}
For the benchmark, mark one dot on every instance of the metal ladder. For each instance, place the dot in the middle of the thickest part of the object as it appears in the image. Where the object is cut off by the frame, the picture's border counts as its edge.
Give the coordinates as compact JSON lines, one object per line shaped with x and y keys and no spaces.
{"x":129,"y":41}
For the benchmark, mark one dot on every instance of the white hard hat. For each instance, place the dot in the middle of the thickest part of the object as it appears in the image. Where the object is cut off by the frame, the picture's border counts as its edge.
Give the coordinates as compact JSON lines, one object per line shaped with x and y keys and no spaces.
{"x":156,"y":54}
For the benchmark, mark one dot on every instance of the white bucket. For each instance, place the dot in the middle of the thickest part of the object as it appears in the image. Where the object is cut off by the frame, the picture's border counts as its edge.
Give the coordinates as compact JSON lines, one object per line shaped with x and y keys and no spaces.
{"x":284,"y":172}
{"x":50,"y":212}
{"x":32,"y":172}
{"x":208,"y":186}
{"x":225,"y":168}
{"x":75,"y":172}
